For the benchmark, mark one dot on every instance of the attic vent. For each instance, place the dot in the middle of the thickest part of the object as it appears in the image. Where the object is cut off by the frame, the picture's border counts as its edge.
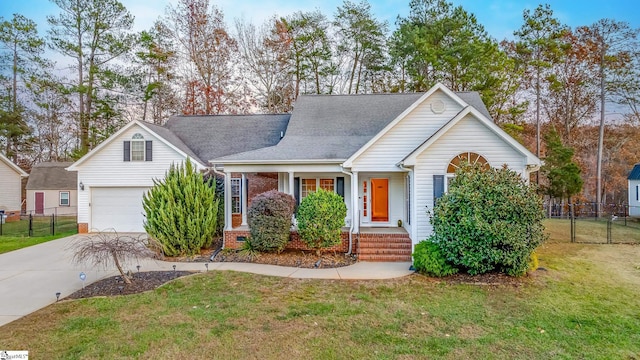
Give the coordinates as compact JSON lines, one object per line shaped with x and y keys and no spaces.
{"x":438,"y":107}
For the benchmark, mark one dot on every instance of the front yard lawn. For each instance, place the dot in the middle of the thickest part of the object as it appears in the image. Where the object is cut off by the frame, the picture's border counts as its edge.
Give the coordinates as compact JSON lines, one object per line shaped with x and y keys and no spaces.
{"x":585,"y":305}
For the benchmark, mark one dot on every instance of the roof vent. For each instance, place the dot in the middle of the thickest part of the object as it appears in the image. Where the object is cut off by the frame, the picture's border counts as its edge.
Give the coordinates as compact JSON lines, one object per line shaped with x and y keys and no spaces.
{"x":281,"y":134}
{"x":438,"y":106}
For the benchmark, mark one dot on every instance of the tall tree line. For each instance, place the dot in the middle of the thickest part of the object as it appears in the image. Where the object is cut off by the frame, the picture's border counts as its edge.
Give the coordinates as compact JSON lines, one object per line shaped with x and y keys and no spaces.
{"x":549,"y":78}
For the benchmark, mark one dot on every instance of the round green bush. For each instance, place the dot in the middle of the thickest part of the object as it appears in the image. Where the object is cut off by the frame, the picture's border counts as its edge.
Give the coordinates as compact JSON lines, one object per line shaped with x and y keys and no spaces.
{"x":269,"y":218}
{"x":320,"y":219}
{"x":490,"y":220}
{"x":428,"y":260}
{"x":182,"y":211}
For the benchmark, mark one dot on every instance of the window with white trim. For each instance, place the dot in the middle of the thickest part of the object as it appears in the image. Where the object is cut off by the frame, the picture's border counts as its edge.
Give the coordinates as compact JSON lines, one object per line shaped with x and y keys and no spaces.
{"x":308,"y":186}
{"x":64,"y":198}
{"x":236,"y":191}
{"x":137,"y":147}
{"x":470,"y":158}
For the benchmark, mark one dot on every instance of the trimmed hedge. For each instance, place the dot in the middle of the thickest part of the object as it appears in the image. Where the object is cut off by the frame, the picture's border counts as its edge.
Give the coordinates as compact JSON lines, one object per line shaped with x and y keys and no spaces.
{"x":320,"y":219}
{"x":489,"y":220}
{"x":269,"y":218}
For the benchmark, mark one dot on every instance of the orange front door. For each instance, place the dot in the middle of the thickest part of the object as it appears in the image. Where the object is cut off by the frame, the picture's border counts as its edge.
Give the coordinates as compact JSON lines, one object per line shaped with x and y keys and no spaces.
{"x":379,"y":199}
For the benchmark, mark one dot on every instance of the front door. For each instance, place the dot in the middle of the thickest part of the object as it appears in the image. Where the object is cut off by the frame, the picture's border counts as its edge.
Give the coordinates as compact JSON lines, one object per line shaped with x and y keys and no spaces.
{"x":39,"y":203}
{"x":380,"y":200}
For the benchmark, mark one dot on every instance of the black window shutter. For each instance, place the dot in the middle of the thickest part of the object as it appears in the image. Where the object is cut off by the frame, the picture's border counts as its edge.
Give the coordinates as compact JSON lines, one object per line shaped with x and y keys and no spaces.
{"x":340,"y":186}
{"x":296,"y":190}
{"x":148,"y":153}
{"x":127,"y":151}
{"x":438,"y":187}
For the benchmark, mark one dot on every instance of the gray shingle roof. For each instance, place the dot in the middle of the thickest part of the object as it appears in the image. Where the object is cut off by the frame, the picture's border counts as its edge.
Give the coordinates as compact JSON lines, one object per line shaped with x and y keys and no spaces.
{"x":52,"y":176}
{"x":175,"y":140}
{"x":212,"y":136}
{"x":334,"y":127}
{"x":635,"y":173}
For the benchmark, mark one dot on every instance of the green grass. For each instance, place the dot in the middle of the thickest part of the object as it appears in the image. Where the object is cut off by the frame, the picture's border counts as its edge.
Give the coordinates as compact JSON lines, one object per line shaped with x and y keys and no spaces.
{"x":10,"y":243}
{"x":584,"y":306}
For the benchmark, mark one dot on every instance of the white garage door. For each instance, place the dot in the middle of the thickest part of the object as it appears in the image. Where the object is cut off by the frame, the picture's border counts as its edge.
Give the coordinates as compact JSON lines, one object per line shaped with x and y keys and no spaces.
{"x":118,"y":208}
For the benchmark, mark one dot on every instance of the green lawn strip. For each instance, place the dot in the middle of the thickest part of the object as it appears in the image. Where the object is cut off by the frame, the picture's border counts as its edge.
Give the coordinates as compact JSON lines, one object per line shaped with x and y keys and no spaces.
{"x":579,"y":308}
{"x":10,"y":243}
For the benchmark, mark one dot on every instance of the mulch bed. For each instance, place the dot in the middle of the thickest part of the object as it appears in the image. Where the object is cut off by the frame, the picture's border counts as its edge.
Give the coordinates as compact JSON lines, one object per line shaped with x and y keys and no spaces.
{"x":140,"y":282}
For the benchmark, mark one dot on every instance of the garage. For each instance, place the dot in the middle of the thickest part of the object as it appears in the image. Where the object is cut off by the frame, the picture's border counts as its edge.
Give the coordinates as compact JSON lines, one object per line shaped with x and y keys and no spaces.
{"x":117,"y":208}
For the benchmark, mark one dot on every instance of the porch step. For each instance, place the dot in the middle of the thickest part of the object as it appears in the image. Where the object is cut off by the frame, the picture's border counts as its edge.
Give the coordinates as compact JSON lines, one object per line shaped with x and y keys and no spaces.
{"x":384,"y":247}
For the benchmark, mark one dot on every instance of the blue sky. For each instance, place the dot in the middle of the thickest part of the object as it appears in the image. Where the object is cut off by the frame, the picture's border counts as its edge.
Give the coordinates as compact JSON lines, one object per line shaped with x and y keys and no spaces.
{"x":500,"y":17}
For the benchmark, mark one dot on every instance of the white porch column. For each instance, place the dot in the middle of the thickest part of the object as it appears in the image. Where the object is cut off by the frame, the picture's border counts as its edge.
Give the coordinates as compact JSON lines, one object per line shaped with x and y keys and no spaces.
{"x":291,"y":184}
{"x":245,"y":191}
{"x":228,"y":223}
{"x":355,"y":203}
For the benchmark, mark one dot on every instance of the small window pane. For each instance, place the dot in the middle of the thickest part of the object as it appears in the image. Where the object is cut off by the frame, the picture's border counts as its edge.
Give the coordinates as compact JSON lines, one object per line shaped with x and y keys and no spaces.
{"x":137,"y":150}
{"x":327,"y":184}
{"x":64,"y":198}
{"x":307,"y":186}
{"x":235,"y":195}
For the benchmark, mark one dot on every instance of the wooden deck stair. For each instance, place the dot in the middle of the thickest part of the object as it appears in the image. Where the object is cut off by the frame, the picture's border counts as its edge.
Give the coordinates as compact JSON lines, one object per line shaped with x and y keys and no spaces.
{"x":384,"y":247}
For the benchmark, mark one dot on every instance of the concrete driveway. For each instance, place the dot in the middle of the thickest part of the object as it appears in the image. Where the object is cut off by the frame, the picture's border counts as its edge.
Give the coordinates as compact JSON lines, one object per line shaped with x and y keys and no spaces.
{"x":31,"y":277}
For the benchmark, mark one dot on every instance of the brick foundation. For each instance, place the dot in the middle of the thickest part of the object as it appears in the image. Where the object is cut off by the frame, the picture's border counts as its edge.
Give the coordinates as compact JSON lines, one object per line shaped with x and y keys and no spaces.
{"x":230,"y":241}
{"x":83,"y":228}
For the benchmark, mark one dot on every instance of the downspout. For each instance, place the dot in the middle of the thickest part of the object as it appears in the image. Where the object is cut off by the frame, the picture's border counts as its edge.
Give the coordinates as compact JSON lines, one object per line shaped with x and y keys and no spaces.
{"x":353,"y":208}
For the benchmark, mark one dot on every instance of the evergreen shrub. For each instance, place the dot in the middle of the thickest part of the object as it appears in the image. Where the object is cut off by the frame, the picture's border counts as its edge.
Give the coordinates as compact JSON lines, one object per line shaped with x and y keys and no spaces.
{"x":320,"y":219}
{"x":269,"y":218}
{"x":182,"y":211}
{"x":428,"y":260}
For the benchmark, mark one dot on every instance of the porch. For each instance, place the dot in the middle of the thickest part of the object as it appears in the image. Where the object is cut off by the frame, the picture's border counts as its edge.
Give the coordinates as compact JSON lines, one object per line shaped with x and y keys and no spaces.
{"x":370,"y":244}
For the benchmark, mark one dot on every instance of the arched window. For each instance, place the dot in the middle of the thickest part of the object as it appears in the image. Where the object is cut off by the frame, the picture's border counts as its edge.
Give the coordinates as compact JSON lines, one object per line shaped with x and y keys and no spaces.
{"x":469,"y":158}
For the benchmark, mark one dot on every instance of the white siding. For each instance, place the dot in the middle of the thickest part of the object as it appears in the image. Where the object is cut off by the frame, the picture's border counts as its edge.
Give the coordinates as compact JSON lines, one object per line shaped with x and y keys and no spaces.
{"x":107,"y":168}
{"x":467,"y":135}
{"x":10,"y":187}
{"x":52,"y":202}
{"x":407,"y":135}
{"x":634,"y":198}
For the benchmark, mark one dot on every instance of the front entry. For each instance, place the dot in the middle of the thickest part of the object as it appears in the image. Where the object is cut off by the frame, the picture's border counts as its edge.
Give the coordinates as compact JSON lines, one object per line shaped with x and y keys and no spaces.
{"x":380,"y":200}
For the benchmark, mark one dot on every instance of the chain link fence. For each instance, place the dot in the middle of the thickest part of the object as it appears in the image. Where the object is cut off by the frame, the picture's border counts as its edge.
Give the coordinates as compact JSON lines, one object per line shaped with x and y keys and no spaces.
{"x":581,"y":223}
{"x":41,"y":223}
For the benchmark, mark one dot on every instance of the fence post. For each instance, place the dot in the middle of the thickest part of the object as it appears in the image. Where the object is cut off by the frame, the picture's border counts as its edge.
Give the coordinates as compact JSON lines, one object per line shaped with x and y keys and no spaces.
{"x":53,"y":224}
{"x":573,"y":225}
{"x":609,"y":225}
{"x":30,"y":225}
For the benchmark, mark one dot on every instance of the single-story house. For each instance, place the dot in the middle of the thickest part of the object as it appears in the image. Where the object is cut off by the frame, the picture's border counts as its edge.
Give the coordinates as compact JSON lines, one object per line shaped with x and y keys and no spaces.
{"x":52,"y":190}
{"x":634,"y":191}
{"x":389,"y":155}
{"x":10,"y":188}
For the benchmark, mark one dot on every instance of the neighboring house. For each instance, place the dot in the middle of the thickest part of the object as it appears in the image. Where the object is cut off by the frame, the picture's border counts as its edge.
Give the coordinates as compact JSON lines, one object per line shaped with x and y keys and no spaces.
{"x":52,"y":190}
{"x":10,"y":188}
{"x":389,"y":155}
{"x":634,"y":191}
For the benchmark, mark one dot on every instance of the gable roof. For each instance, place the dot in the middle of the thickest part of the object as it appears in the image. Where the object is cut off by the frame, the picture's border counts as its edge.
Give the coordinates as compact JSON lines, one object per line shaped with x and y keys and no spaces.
{"x":635,"y":173}
{"x":330,"y":127}
{"x":410,"y":159}
{"x":158,"y":131}
{"x":52,"y":176}
{"x":13,"y":166}
{"x":211,"y":136}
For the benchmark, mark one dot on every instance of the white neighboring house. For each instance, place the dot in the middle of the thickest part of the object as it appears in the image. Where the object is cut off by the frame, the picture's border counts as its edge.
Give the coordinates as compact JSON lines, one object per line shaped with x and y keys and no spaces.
{"x":113,"y":177}
{"x":10,"y":188}
{"x":634,"y":191}
{"x":52,"y":190}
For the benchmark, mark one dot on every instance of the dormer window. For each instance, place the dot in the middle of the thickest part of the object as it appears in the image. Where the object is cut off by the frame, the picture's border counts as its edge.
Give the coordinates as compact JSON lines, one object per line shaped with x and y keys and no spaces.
{"x":138,"y":149}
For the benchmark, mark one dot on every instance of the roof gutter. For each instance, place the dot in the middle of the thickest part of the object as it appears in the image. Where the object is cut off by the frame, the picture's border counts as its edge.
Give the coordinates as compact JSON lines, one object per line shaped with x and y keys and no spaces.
{"x":353,"y":211}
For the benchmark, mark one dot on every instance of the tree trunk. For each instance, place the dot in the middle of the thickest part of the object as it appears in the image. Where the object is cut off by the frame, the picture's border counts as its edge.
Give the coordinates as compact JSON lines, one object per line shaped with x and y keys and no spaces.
{"x":117,"y":262}
{"x":600,"y":134}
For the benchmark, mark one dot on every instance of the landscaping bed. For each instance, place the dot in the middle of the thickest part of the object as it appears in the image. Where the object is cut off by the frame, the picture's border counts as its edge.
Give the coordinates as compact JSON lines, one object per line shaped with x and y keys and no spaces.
{"x":140,"y":282}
